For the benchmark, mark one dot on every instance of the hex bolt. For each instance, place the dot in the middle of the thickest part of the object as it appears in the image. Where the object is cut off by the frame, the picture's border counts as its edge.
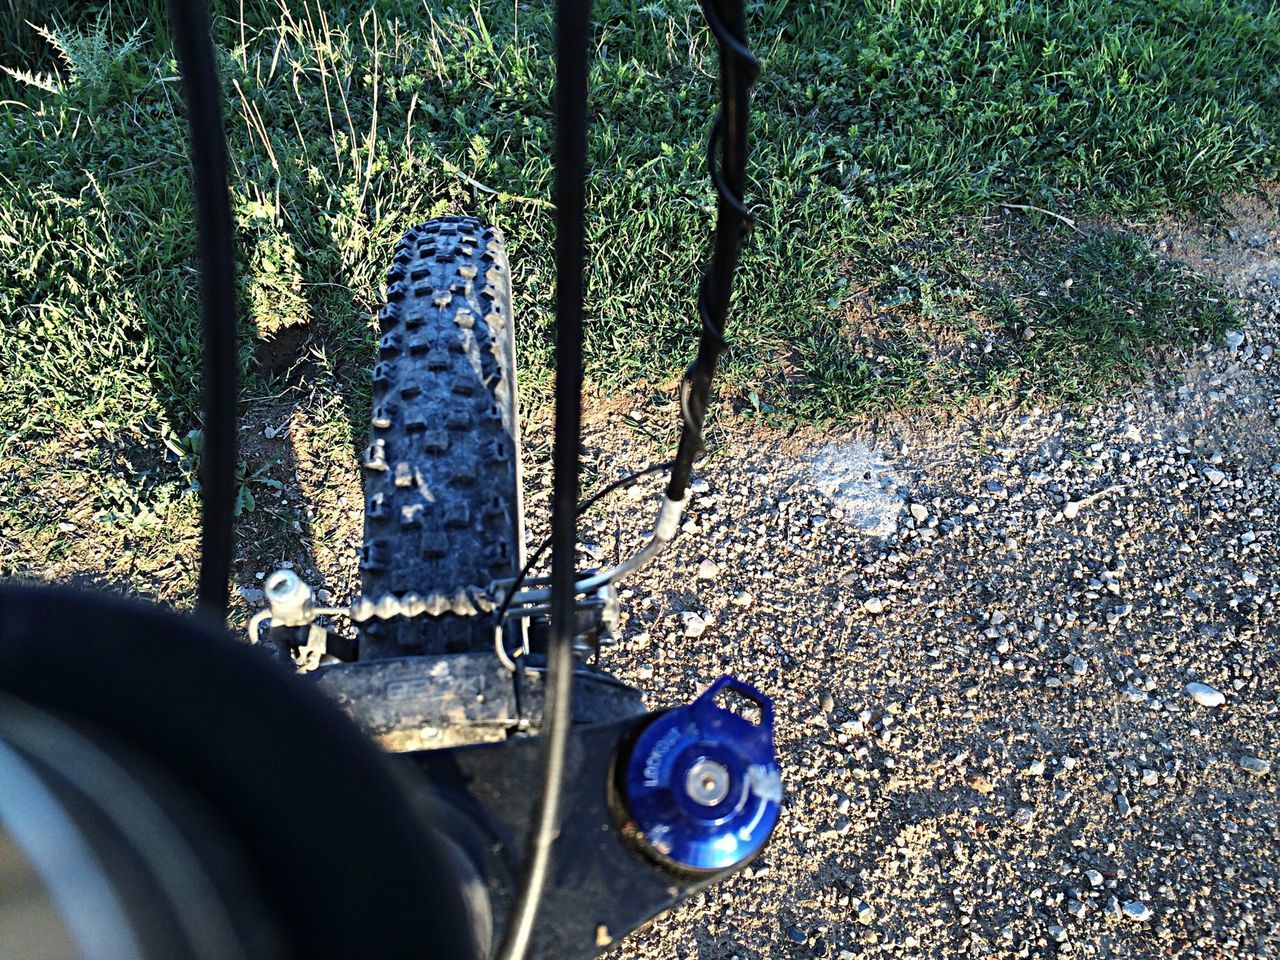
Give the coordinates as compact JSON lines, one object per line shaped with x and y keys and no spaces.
{"x":707,"y":782}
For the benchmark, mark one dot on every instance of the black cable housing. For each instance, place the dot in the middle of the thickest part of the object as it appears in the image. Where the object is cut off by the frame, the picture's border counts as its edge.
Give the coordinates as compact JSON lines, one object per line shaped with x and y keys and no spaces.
{"x":573,"y":35}
{"x":189,"y":24}
{"x":583,"y":507}
{"x":738,"y":71}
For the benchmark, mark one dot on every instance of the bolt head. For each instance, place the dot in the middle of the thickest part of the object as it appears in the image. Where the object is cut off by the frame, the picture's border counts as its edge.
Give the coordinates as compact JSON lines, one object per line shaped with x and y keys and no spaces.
{"x":707,"y":782}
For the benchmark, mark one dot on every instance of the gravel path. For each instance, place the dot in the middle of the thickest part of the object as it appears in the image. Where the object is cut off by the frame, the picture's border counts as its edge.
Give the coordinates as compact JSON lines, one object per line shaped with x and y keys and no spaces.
{"x":1024,"y":660}
{"x":1024,"y":663}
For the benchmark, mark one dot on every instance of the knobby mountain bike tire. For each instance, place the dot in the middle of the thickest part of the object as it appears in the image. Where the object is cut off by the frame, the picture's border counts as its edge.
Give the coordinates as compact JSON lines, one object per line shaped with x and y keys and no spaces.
{"x":442,"y":470}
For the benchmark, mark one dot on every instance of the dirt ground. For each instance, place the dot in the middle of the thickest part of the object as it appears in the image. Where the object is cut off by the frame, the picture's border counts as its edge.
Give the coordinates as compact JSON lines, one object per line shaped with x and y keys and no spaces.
{"x":978,"y":628}
{"x":990,"y":741}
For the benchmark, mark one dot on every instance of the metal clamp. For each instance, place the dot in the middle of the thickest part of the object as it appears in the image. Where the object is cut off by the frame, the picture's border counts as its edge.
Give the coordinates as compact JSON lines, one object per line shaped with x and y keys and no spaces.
{"x":601,"y":608}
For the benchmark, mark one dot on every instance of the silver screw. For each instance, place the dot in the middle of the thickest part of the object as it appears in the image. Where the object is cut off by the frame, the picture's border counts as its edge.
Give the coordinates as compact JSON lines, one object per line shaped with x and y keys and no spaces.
{"x":707,"y":782}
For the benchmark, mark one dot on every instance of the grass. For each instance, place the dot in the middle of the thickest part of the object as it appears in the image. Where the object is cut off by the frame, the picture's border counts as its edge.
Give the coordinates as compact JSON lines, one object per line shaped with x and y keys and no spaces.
{"x":1050,"y":317}
{"x":883,"y":272}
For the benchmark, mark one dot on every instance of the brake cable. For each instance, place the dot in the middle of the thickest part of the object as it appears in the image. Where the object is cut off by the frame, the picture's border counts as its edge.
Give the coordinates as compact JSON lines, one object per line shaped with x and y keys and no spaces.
{"x":189,"y":25}
{"x":738,"y":72}
{"x":509,"y":594}
{"x":573,"y":35}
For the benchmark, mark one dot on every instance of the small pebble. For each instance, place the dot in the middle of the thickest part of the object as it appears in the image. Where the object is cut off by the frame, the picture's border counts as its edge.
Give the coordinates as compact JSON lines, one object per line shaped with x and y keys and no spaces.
{"x":694,"y":625}
{"x":1205,"y":695}
{"x":978,"y":782}
{"x":873,"y":605}
{"x":708,"y":570}
{"x":1255,"y":765}
{"x":1137,"y":910}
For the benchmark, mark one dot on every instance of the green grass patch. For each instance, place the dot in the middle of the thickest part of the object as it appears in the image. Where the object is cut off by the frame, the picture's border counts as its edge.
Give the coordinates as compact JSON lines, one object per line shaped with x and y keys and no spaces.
{"x":883,"y":133}
{"x":1055,"y":317}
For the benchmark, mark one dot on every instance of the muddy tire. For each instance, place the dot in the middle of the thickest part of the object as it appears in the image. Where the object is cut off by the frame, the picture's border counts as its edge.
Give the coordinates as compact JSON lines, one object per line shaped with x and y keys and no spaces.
{"x":442,"y":470}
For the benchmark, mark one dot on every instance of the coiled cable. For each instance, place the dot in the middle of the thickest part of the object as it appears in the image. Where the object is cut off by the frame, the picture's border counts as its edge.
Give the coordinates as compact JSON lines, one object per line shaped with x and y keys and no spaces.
{"x":738,"y":71}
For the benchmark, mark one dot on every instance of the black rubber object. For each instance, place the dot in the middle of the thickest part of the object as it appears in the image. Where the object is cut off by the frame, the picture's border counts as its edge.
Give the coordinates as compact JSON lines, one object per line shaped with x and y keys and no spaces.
{"x":344,"y":861}
{"x":442,"y":470}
